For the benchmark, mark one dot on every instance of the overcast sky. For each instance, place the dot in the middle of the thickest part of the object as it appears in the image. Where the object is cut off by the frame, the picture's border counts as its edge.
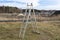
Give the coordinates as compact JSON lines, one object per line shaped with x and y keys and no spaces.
{"x":38,"y":4}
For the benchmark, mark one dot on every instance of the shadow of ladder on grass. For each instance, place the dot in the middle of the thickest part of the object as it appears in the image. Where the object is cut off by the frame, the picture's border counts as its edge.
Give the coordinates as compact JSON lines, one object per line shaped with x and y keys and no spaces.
{"x":26,"y":22}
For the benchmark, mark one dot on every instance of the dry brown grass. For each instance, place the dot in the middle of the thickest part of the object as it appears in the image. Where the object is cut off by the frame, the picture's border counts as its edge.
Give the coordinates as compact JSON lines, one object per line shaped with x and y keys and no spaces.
{"x":48,"y":31}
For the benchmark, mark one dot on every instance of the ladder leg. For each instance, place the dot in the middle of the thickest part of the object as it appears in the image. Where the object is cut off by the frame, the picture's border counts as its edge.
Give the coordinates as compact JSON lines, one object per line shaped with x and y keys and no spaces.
{"x":21,"y":30}
{"x":24,"y":31}
{"x":35,"y":24}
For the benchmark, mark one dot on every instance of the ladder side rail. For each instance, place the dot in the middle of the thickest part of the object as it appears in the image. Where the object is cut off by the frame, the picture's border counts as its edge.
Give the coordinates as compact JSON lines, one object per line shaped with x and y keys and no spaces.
{"x":26,"y":23}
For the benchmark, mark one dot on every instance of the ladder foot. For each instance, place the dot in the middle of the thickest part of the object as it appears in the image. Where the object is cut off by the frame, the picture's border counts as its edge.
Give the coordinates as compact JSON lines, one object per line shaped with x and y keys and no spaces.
{"x":36,"y":32}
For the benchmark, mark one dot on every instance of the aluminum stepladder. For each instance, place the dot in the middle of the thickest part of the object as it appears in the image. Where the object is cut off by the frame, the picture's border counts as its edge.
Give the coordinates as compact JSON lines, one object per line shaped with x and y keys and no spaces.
{"x":26,"y":19}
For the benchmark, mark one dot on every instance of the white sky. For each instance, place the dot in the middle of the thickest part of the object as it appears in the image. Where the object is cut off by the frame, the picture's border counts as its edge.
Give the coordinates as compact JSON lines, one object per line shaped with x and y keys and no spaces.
{"x":38,"y":4}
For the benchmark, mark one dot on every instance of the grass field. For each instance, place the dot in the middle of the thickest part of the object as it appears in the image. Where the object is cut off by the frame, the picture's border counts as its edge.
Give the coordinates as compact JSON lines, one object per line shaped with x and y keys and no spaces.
{"x":48,"y":31}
